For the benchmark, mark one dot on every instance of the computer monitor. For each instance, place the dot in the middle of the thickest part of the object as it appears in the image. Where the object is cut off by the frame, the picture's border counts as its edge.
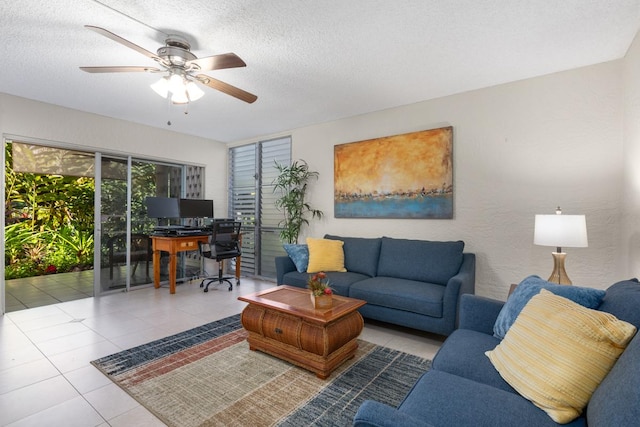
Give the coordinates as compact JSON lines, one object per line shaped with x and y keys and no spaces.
{"x":162,"y":207}
{"x":196,"y":208}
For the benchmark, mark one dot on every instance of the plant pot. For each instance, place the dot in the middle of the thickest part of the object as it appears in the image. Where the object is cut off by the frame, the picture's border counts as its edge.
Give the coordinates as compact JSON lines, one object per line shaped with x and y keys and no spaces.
{"x":321,"y":302}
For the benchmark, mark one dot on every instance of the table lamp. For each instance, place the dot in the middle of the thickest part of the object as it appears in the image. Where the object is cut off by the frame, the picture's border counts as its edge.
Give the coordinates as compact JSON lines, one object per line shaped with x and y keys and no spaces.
{"x":560,"y":230}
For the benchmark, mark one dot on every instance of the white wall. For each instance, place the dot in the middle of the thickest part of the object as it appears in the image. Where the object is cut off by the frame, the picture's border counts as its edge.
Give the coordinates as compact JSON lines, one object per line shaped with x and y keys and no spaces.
{"x":630,"y":236}
{"x":520,"y":149}
{"x":46,"y":122}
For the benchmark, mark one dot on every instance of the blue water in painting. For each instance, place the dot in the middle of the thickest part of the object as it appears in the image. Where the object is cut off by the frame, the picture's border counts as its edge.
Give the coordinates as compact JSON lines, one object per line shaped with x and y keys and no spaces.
{"x":437,"y":207}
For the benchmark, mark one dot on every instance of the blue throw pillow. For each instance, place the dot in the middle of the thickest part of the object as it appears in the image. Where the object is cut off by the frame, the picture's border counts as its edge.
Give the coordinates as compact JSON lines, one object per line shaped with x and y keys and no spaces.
{"x":299,"y":254}
{"x":530,"y":286}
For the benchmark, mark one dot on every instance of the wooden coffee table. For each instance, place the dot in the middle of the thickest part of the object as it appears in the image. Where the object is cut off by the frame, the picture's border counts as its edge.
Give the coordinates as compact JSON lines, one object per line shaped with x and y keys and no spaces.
{"x":281,"y":321}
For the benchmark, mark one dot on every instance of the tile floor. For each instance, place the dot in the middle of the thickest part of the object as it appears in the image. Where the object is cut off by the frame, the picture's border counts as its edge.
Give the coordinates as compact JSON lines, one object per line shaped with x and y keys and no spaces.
{"x":37,"y":291}
{"x":45,"y":375}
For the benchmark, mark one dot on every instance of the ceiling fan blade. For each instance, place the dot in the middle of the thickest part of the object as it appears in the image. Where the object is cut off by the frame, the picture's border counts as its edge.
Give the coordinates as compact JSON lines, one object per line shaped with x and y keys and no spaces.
{"x":226,"y":88}
{"x":124,"y":42}
{"x":120,"y":69}
{"x":218,"y":62}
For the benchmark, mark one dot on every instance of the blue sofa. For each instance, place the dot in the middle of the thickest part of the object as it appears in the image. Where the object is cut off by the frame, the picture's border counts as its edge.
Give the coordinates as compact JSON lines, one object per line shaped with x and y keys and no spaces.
{"x":464,"y":389}
{"x":412,"y":283}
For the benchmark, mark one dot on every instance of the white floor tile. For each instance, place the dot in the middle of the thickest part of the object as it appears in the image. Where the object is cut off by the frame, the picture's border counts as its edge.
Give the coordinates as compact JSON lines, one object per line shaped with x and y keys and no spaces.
{"x":117,"y":323}
{"x":70,"y":342}
{"x":12,"y":338}
{"x":76,"y":412}
{"x":29,"y":400}
{"x":26,"y":374}
{"x":44,"y":322}
{"x":80,"y":357}
{"x":138,"y":417}
{"x":87,"y":378}
{"x":19,"y":356}
{"x":111,"y":401}
{"x":23,"y":316}
{"x":53,"y":332}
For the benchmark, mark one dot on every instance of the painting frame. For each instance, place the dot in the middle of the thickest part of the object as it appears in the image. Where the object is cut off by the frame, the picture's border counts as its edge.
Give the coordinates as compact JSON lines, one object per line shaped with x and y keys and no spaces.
{"x":404,"y":176}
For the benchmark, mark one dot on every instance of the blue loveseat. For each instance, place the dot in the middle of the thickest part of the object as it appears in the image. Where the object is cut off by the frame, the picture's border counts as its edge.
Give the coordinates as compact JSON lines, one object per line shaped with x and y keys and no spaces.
{"x":464,"y":389}
{"x":412,"y":283}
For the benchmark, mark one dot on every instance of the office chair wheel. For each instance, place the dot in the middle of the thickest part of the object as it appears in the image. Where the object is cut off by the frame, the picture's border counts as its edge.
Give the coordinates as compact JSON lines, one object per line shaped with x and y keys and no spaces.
{"x":206,"y":289}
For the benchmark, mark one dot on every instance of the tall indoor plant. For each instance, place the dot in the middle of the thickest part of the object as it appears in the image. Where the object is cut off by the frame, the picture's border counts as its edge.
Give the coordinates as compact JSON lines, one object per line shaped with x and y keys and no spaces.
{"x":292,"y":182}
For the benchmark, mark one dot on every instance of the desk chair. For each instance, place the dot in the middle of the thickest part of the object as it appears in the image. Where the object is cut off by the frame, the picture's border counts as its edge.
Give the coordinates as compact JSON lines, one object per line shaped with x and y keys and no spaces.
{"x":140,"y":251}
{"x":224,"y":243}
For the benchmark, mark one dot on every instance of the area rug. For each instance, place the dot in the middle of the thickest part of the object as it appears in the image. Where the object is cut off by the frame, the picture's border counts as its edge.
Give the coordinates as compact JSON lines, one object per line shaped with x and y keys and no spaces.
{"x":207,"y":376}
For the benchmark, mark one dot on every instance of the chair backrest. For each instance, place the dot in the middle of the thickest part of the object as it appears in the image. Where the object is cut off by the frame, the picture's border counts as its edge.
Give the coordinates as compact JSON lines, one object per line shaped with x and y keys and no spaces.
{"x":140,"y":246}
{"x":225,"y":238}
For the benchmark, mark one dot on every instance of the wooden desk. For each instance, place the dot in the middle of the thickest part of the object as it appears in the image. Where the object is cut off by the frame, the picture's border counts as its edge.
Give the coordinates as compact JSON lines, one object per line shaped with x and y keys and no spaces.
{"x":172,"y":245}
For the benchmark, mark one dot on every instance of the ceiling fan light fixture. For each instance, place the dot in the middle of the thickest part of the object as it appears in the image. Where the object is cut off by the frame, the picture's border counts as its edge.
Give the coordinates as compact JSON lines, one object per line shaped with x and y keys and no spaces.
{"x":161,"y":87}
{"x":194,"y":91}
{"x":176,"y":83}
{"x":181,"y":89}
{"x":180,"y":97}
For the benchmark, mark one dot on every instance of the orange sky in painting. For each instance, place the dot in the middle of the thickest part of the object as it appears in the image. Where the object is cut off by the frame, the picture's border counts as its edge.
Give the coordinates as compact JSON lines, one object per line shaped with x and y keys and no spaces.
{"x":405,"y":162}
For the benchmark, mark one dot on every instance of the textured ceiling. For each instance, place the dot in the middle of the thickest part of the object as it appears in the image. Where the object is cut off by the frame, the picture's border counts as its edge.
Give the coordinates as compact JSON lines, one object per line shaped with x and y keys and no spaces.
{"x":309,"y":61}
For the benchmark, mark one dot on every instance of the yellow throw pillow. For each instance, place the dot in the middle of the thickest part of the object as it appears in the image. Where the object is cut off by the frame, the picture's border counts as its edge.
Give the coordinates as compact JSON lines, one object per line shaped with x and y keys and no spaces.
{"x":325,"y":255}
{"x":557,"y":352}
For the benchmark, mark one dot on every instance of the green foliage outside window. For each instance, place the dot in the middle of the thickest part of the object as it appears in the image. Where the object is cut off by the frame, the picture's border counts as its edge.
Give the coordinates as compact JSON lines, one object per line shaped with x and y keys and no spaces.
{"x":48,"y":222}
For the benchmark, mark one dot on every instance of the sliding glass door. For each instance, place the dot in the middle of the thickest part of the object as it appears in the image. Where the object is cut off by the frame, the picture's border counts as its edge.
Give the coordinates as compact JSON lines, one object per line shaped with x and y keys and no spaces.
{"x":125,"y":229}
{"x":115,"y":255}
{"x":76,"y":223}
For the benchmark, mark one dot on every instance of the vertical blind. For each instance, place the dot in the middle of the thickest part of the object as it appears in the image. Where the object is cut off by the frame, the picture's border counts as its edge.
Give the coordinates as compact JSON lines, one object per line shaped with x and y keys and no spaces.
{"x":251,"y":200}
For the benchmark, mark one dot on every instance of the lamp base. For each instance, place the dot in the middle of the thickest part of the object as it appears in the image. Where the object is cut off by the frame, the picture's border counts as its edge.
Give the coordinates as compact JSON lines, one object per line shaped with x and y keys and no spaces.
{"x":559,"y":275}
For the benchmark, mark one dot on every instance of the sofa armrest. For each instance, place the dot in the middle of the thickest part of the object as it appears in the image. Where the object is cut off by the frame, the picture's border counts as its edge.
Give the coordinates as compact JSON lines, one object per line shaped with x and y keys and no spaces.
{"x":462,"y":283}
{"x":479,"y":313}
{"x":467,"y":274}
{"x":283,"y":265}
{"x":376,"y":414}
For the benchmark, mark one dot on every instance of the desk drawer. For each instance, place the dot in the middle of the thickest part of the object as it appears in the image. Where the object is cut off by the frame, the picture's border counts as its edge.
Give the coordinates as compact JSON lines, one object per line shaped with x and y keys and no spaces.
{"x":189,"y":245}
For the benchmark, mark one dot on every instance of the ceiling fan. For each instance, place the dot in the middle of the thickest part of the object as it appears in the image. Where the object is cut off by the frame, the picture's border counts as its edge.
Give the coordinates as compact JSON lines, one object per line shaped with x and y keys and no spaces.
{"x":182,"y":68}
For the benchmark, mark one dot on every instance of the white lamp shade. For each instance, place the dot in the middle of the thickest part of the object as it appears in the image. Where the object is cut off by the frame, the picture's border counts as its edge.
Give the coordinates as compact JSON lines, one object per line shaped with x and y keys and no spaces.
{"x":561,"y":230}
{"x":182,"y":90}
{"x":161,"y":87}
{"x":176,"y":84}
{"x":194,"y":91}
{"x":180,"y":97}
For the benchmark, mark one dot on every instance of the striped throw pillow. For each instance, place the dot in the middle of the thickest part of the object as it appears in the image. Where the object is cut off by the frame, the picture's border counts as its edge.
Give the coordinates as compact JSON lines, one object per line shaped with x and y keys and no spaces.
{"x":557,"y":352}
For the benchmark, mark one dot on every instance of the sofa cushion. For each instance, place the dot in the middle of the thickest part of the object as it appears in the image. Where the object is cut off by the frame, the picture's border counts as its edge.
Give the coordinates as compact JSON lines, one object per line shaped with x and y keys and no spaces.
{"x":376,"y":414}
{"x":443,"y":399}
{"x":400,"y":294}
{"x":557,"y":352}
{"x":299,"y":254}
{"x":530,"y":286}
{"x":339,"y":282}
{"x":623,"y":301}
{"x":325,"y":255}
{"x":360,"y":254}
{"x":462,"y":354}
{"x":420,"y":260}
{"x":615,"y":401}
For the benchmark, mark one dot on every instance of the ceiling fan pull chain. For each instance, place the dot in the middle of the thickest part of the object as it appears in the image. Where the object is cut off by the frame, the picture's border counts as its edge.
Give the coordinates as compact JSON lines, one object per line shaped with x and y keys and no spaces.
{"x":169,"y":111}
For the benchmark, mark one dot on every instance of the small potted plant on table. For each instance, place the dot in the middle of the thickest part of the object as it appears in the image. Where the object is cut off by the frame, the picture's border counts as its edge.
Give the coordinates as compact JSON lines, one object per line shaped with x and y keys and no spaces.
{"x":321,"y":293}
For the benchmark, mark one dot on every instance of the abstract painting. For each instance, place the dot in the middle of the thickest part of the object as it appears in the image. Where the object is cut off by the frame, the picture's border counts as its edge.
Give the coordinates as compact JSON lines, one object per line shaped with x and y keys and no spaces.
{"x":400,"y":176}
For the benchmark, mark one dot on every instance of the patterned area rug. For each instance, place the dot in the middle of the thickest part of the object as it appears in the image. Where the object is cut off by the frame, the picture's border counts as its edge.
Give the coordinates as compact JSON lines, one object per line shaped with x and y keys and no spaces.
{"x":207,"y":376}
